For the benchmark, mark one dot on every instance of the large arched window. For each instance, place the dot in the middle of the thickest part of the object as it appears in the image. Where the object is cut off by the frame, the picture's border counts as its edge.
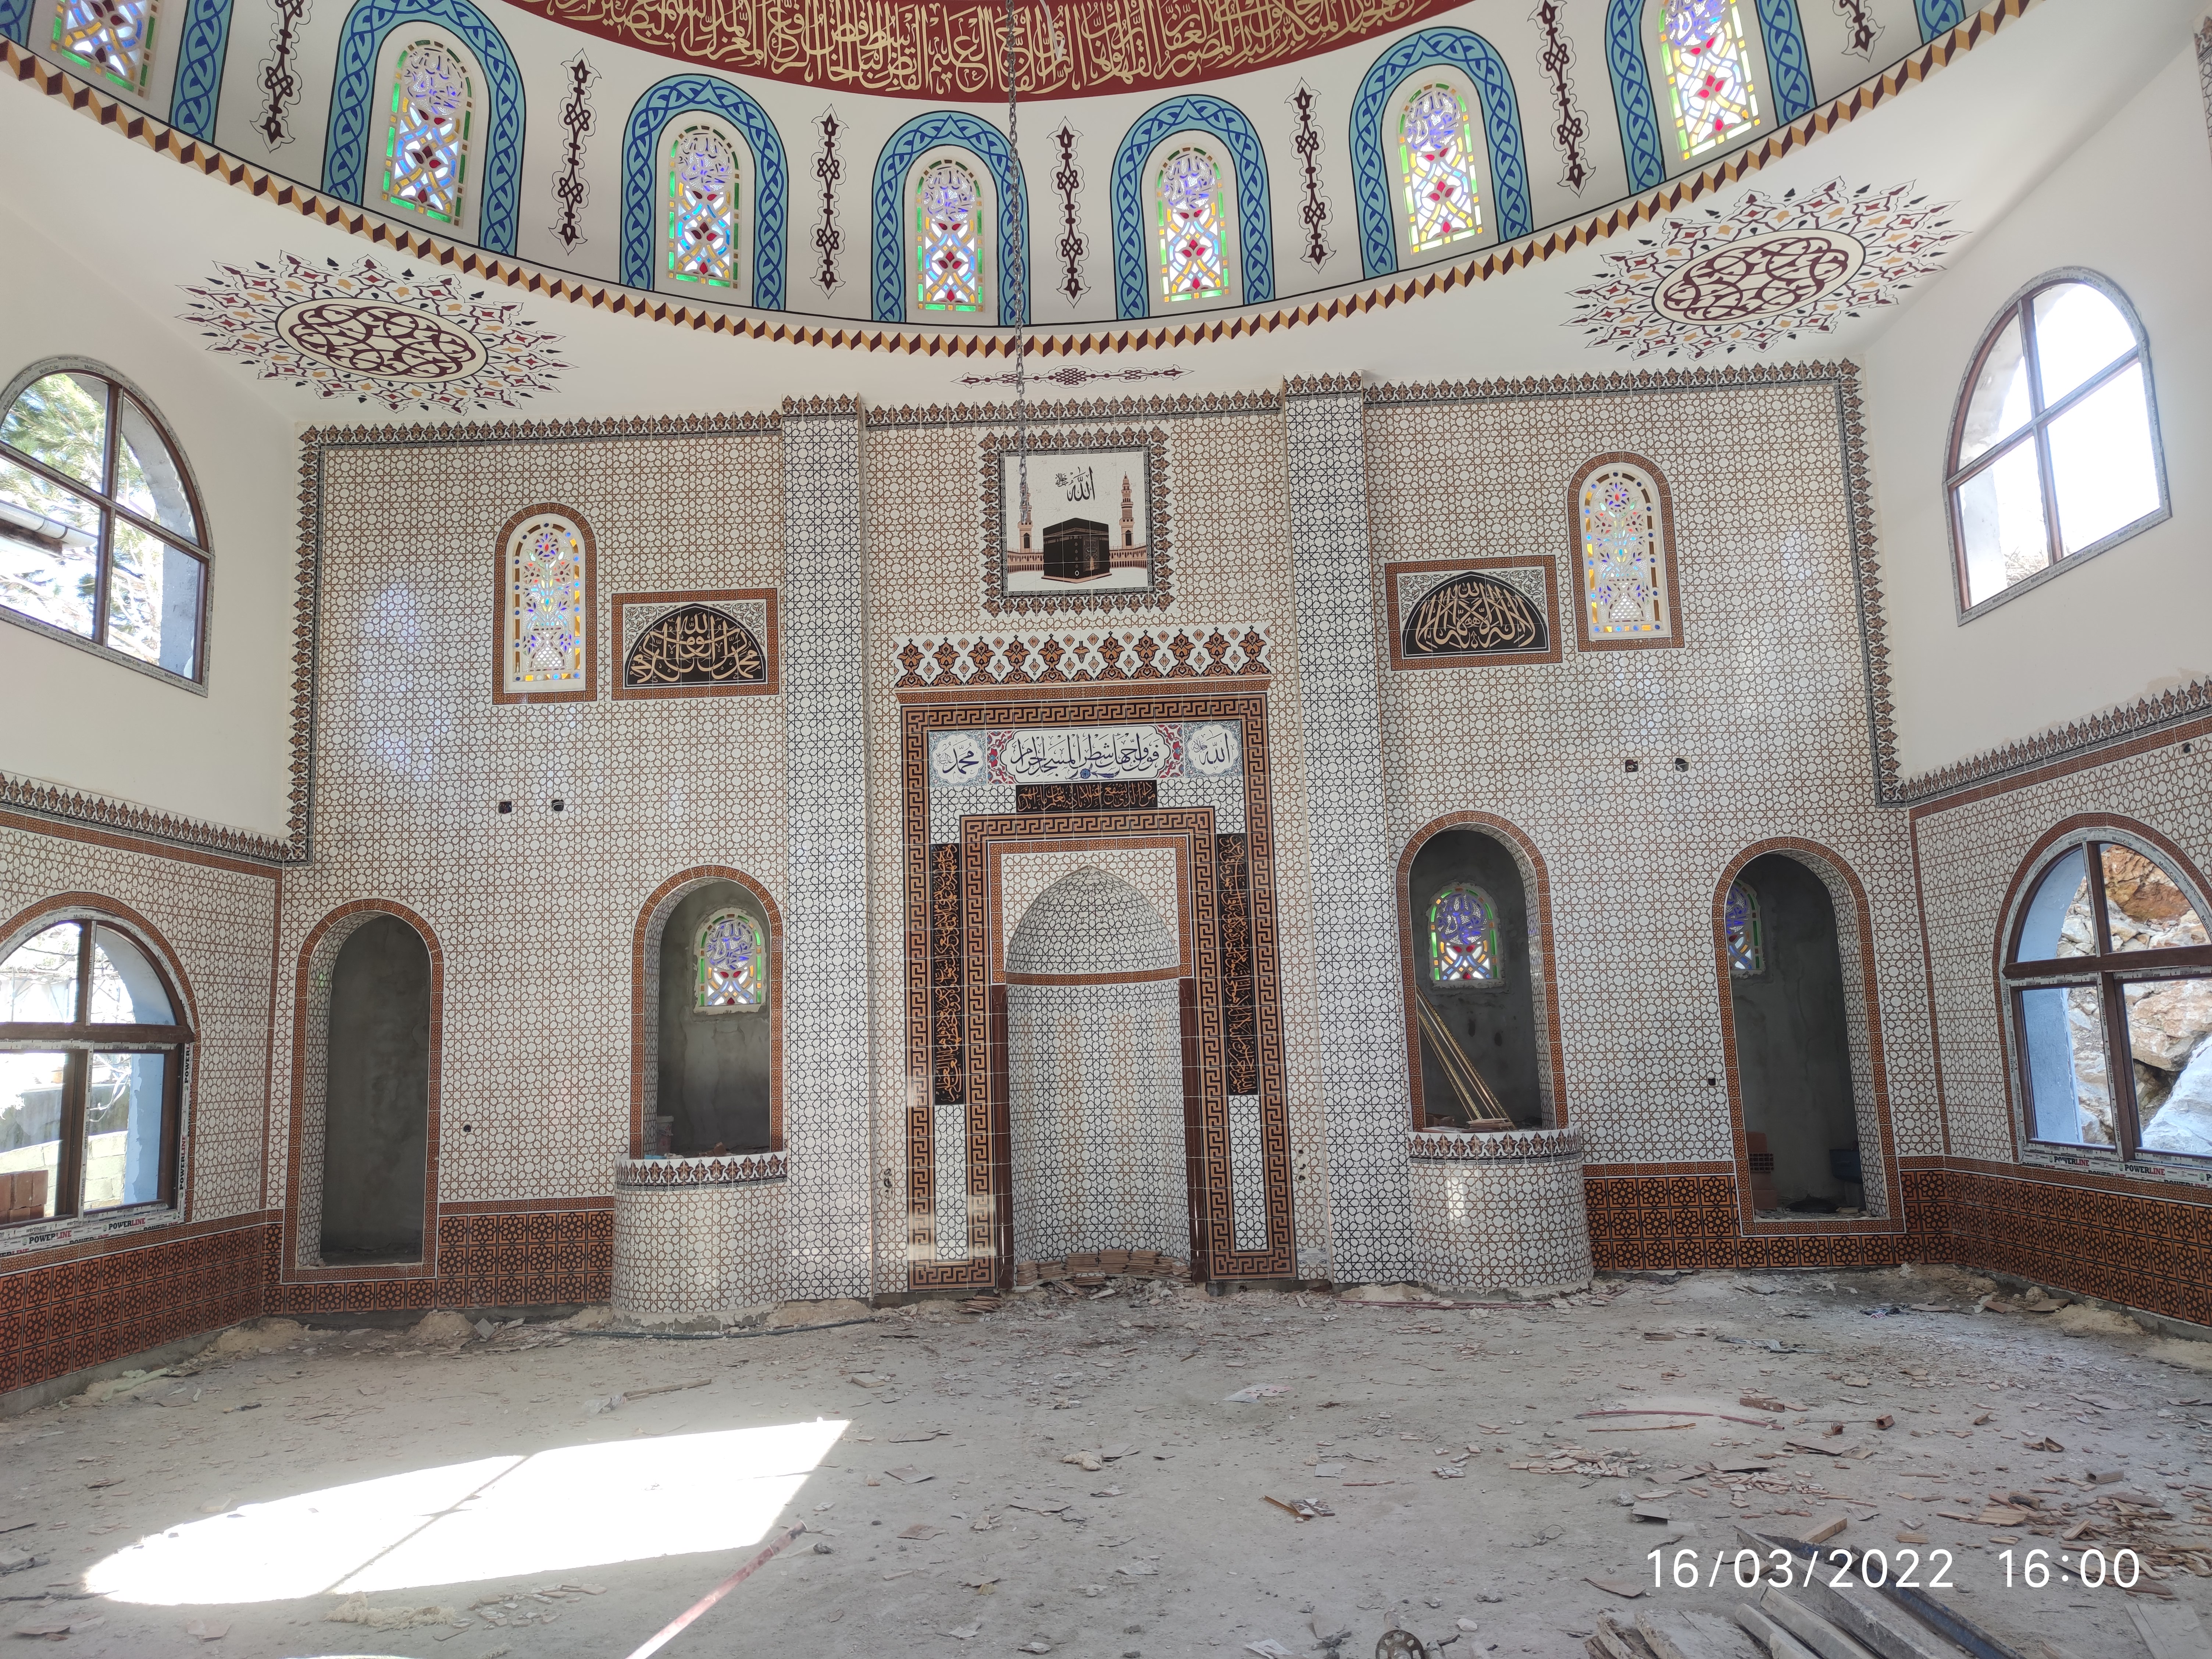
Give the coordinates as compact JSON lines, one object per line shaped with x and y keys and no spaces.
{"x":113,"y":36}
{"x":548,"y":609}
{"x":1440,"y":204}
{"x":730,"y":962}
{"x":1708,"y":73}
{"x":703,"y":209}
{"x":427,"y":149}
{"x":948,"y":238}
{"x":2054,"y":446}
{"x":100,"y":537}
{"x":1463,"y":936}
{"x":1193,"y":262}
{"x":1623,"y":569}
{"x":2110,"y":978}
{"x":92,"y":1063}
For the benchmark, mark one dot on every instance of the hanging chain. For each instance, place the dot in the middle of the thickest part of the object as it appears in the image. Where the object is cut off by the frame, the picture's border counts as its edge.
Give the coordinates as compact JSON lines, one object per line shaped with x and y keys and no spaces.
{"x":1015,"y":269}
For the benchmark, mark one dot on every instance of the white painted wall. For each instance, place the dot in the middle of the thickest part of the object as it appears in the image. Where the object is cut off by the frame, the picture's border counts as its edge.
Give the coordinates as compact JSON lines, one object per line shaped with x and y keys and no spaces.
{"x":78,"y":718}
{"x":2133,"y":202}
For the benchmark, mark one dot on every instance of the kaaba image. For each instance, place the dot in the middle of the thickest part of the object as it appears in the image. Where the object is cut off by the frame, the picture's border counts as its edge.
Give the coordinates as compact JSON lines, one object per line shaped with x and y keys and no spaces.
{"x":1075,"y":551}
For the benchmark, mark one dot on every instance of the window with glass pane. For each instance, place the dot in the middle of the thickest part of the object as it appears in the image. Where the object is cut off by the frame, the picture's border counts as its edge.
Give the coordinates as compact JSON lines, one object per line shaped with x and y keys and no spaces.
{"x":1746,"y":941}
{"x":733,"y":962}
{"x":114,"y":36}
{"x":99,"y":535}
{"x":92,"y":1057}
{"x":1708,"y":73}
{"x":2054,"y":448}
{"x":1193,"y":263}
{"x":703,"y":209}
{"x":2111,"y":976}
{"x":948,"y":242}
{"x":427,"y":147}
{"x":1463,"y":936}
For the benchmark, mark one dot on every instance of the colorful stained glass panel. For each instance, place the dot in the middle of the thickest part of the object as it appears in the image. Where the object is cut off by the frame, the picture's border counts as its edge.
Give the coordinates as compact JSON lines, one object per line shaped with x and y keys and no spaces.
{"x":1462,"y":936}
{"x":117,"y":35}
{"x":1708,"y":73}
{"x":732,"y":966}
{"x":1747,"y":948}
{"x":948,"y":241}
{"x":1192,"y":262}
{"x":702,"y":209}
{"x":1432,"y":148}
{"x":427,"y":154}
{"x":1621,"y":576}
{"x":546,"y":608}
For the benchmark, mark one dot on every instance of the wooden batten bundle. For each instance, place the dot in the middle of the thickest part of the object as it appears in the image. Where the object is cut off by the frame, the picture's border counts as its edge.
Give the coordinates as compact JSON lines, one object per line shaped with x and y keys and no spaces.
{"x":1482,"y":1107}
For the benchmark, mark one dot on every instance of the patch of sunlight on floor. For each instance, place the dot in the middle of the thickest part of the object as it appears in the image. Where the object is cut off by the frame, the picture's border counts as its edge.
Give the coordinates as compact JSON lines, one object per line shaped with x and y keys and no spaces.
{"x":498,"y":1517}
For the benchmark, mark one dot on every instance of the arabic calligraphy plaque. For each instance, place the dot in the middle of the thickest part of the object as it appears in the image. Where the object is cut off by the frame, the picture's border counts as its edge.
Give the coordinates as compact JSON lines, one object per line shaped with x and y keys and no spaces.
{"x":1467,"y":612}
{"x":700,"y":644}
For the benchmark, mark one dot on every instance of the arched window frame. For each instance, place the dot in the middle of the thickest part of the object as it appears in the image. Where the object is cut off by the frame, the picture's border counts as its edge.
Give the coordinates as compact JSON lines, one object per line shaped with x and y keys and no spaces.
{"x":1492,"y":951}
{"x":1461,"y":169}
{"x":929,"y":245}
{"x":80,"y":1040}
{"x":726,"y":272}
{"x":702,"y":991}
{"x":100,"y":34}
{"x":2106,"y":969}
{"x":1746,"y":932}
{"x":508,"y":611}
{"x":1687,"y":150}
{"x":1590,"y":634}
{"x":453,"y":211}
{"x":1956,"y":476}
{"x":118,"y":530}
{"x":1190,"y":249}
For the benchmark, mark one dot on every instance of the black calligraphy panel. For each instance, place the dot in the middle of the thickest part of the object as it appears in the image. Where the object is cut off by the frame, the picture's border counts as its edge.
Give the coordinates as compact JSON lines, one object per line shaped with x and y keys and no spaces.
{"x":1137,"y":795}
{"x":695,"y":646}
{"x":1472,"y":614}
{"x":1240,"y":987}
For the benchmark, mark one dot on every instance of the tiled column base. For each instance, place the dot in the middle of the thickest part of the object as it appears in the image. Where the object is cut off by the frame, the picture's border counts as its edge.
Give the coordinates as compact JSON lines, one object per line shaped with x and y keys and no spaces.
{"x":695,"y":1249}
{"x":1500,"y":1211}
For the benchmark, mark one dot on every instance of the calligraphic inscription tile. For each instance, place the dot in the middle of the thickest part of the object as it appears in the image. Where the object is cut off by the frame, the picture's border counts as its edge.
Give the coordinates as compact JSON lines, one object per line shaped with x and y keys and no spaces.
{"x":715,"y":642}
{"x":1140,"y":794}
{"x":1087,"y":531}
{"x":1465,"y":613}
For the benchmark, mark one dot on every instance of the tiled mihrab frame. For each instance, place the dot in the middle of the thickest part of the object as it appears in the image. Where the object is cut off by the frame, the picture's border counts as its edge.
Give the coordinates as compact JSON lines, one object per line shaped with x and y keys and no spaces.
{"x":301,"y":1262}
{"x":618,"y":661}
{"x":1543,"y":980}
{"x":1862,"y":1026}
{"x":1767,"y":704}
{"x":923,"y":713}
{"x":1048,"y":439}
{"x":1157,"y":867}
{"x":502,"y":606}
{"x":1401,"y":659}
{"x":645,"y":995}
{"x":1584,"y":640}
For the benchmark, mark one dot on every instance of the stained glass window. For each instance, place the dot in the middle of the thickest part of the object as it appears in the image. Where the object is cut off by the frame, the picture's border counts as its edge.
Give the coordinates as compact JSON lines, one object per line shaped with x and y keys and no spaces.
{"x":1708,"y":73}
{"x":1624,"y":581}
{"x":427,"y":155}
{"x":546,"y":608}
{"x":703,"y":209}
{"x":1462,"y":936}
{"x":115,"y":35}
{"x":733,"y":962}
{"x":948,"y":238}
{"x":1432,"y":146}
{"x":1747,"y":948}
{"x":1193,"y":266}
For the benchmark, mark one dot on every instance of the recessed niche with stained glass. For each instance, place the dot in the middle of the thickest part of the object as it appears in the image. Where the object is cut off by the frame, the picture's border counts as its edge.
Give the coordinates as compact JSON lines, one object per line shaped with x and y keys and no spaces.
{"x":730,"y":973}
{"x":1624,"y":576}
{"x":427,"y":145}
{"x":1463,"y":944}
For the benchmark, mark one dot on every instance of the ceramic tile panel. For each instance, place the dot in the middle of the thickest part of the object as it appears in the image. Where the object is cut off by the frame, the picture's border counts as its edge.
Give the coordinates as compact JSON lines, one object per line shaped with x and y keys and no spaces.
{"x":217,"y":916}
{"x":825,"y":605}
{"x":1155,"y":872}
{"x":1500,"y":1211}
{"x":1248,"y":1195}
{"x":698,"y":1251}
{"x":948,"y":806}
{"x":1224,"y":795}
{"x":1756,"y":729}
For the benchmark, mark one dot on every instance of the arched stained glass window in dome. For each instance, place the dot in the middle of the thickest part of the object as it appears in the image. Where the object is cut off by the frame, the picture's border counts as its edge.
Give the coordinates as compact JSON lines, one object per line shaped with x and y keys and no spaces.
{"x":427,"y":155}
{"x":1747,"y":947}
{"x":1193,"y":264}
{"x":546,"y":608}
{"x":1708,"y":73}
{"x":115,"y":36}
{"x":1624,"y":581}
{"x":1432,"y":146}
{"x":733,"y":962}
{"x":1462,"y":936}
{"x":948,"y":238}
{"x":703,"y":209}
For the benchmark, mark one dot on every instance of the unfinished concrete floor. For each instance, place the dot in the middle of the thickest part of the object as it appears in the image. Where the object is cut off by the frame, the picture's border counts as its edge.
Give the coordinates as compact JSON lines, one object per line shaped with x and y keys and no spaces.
{"x":232,"y":1496}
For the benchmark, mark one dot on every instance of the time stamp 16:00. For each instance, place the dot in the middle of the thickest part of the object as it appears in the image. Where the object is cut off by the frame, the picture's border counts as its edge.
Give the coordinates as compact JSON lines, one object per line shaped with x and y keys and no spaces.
{"x":2034,"y":1569}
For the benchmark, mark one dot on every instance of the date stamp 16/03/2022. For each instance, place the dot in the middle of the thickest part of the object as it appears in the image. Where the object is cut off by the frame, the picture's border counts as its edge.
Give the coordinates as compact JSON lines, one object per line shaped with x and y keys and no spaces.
{"x":1905,"y":1569}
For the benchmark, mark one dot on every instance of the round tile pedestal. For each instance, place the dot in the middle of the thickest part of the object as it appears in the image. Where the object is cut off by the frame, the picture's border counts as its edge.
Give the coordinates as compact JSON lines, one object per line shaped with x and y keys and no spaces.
{"x":1500,"y":1213}
{"x":698,"y":1237}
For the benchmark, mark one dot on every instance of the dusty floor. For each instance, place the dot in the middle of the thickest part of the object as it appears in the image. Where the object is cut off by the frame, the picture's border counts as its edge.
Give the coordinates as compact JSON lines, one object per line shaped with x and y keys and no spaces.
{"x":221,"y":1498}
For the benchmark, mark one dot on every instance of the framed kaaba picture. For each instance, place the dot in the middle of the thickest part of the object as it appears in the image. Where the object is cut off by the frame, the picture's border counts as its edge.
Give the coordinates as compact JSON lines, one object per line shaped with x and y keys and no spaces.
{"x":1089,"y":529}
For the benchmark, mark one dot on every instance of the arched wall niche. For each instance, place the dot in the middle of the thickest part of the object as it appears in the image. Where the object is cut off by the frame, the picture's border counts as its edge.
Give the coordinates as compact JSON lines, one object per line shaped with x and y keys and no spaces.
{"x":763,"y":1030}
{"x":1750,"y":1089}
{"x":306,"y":1210}
{"x":1524,"y":1009}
